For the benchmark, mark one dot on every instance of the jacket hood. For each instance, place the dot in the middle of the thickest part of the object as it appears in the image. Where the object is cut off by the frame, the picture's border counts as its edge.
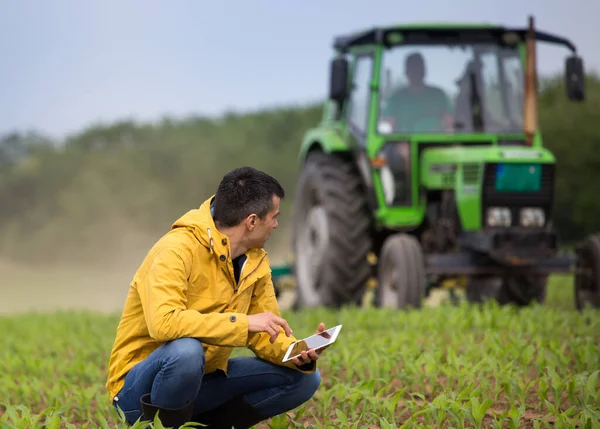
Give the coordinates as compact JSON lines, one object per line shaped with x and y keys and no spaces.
{"x":200,"y":222}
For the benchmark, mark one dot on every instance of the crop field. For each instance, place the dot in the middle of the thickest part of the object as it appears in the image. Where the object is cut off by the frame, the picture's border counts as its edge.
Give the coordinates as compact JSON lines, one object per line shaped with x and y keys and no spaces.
{"x":444,"y":367}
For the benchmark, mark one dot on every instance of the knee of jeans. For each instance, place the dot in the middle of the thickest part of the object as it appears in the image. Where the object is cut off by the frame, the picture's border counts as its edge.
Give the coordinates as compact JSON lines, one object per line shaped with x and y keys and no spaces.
{"x":189,"y":353}
{"x":309,"y":384}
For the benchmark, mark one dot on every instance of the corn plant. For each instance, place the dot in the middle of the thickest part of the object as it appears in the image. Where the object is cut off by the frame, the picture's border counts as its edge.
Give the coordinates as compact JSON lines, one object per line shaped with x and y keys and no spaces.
{"x":453,"y":366}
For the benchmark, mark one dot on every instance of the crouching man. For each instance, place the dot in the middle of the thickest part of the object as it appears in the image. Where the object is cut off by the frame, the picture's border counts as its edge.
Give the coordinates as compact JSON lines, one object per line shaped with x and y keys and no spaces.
{"x":204,"y":288}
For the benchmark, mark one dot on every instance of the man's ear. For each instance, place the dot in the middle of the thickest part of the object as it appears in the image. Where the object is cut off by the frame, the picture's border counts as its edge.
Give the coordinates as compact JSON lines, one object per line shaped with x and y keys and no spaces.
{"x":251,"y":221}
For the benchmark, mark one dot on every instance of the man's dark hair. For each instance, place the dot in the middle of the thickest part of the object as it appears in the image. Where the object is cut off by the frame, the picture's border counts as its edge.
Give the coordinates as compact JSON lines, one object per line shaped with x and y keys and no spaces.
{"x":244,"y":191}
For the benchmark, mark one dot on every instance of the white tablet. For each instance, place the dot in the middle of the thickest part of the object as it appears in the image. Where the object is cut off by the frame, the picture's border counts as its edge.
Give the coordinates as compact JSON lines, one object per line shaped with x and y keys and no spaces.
{"x":314,"y":342}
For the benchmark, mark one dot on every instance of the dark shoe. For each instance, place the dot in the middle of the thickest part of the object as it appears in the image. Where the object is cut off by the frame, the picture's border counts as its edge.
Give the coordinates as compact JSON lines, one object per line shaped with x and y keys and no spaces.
{"x":169,"y":417}
{"x":237,"y":414}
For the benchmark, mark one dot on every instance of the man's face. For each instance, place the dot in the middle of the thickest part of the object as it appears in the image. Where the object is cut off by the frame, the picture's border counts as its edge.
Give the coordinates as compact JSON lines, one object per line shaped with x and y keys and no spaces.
{"x":415,"y":70}
{"x":260,"y":230}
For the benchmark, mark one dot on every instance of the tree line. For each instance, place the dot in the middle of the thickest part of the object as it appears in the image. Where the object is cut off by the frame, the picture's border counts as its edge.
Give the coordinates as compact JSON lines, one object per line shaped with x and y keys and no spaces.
{"x":110,"y":187}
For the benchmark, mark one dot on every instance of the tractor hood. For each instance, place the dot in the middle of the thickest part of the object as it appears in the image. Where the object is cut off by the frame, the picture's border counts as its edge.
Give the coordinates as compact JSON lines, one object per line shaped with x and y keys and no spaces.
{"x":441,"y":166}
{"x":443,"y":156}
{"x":510,"y":177}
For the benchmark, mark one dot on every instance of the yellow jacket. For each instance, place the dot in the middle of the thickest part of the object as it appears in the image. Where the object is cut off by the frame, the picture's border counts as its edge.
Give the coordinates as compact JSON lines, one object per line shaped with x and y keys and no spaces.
{"x":186,"y":287}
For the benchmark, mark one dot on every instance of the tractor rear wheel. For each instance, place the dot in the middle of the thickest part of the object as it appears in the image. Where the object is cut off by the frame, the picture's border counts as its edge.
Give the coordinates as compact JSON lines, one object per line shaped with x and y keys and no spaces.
{"x":401,"y":278}
{"x":331,"y":233}
{"x":587,"y":285}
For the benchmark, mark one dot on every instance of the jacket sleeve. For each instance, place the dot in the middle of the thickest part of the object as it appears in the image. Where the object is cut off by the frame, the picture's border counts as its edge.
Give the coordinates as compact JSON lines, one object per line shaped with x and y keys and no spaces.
{"x":264,"y":300}
{"x":162,"y":292}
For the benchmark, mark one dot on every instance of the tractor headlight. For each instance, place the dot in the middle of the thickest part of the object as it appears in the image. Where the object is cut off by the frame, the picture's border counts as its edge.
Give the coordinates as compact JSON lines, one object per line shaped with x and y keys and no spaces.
{"x":499,"y":216}
{"x":393,"y":162}
{"x":532,"y":217}
{"x":388,"y":184}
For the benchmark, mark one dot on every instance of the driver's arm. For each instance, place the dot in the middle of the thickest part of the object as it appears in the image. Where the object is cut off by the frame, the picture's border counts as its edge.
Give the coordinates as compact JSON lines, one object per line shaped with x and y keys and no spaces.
{"x":445,"y":109}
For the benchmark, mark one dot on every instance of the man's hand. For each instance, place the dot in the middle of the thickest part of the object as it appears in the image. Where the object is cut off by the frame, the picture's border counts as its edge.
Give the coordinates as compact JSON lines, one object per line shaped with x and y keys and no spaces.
{"x":310,"y":355}
{"x":269,"y":323}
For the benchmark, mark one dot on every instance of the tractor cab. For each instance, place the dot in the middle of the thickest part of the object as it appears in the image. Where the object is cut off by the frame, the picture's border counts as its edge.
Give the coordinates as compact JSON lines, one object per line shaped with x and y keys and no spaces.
{"x":442,"y":80}
{"x":450,"y":89}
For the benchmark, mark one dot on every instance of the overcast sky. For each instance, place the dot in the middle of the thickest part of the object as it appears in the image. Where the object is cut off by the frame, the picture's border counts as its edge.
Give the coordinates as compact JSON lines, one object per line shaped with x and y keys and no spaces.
{"x":67,"y":64}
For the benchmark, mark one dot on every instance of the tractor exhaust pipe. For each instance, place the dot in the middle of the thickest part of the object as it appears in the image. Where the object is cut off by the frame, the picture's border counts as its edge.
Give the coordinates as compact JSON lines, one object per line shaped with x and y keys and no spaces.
{"x":531,"y":96}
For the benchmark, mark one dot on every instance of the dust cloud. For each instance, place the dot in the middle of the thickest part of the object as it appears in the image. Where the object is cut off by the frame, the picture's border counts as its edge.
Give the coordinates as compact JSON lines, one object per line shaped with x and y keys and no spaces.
{"x":95,"y":279}
{"x":66,"y":285}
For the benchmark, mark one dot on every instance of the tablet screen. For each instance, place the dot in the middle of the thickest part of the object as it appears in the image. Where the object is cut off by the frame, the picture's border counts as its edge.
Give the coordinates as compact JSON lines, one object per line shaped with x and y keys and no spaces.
{"x":314,"y":342}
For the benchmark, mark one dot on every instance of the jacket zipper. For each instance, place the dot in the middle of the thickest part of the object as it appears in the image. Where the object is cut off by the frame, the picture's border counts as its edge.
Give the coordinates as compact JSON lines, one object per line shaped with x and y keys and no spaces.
{"x":241,"y":271}
{"x":244,"y":278}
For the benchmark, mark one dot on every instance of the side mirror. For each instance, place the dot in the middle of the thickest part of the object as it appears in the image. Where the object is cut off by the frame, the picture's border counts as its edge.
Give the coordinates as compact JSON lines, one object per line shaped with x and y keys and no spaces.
{"x":575,"y":78}
{"x":338,"y":84}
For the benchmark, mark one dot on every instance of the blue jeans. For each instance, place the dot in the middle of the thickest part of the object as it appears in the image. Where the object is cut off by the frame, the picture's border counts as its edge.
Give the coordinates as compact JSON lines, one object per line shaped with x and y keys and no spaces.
{"x":174,"y":375}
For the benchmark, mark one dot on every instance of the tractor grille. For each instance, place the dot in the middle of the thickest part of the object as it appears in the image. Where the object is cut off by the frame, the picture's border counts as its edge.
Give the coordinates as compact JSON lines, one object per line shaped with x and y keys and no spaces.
{"x":516,"y":200}
{"x":448,"y":179}
{"x":471,"y":173}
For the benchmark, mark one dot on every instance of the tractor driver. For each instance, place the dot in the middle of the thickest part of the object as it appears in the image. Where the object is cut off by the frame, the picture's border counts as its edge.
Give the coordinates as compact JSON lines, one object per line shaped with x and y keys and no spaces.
{"x":418,"y":107}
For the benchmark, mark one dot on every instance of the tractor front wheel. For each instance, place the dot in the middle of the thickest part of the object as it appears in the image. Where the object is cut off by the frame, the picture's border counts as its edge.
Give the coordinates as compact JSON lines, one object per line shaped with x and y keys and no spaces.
{"x":401,"y":277}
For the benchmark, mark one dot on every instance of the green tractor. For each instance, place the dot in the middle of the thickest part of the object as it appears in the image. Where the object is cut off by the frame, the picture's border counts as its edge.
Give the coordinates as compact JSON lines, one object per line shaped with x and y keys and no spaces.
{"x":428,"y":159}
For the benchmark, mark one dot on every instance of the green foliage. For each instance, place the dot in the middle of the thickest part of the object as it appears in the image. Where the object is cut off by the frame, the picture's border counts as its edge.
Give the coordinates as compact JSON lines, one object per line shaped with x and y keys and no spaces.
{"x":450,"y":366}
{"x":571,"y":132}
{"x":117,"y":188}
